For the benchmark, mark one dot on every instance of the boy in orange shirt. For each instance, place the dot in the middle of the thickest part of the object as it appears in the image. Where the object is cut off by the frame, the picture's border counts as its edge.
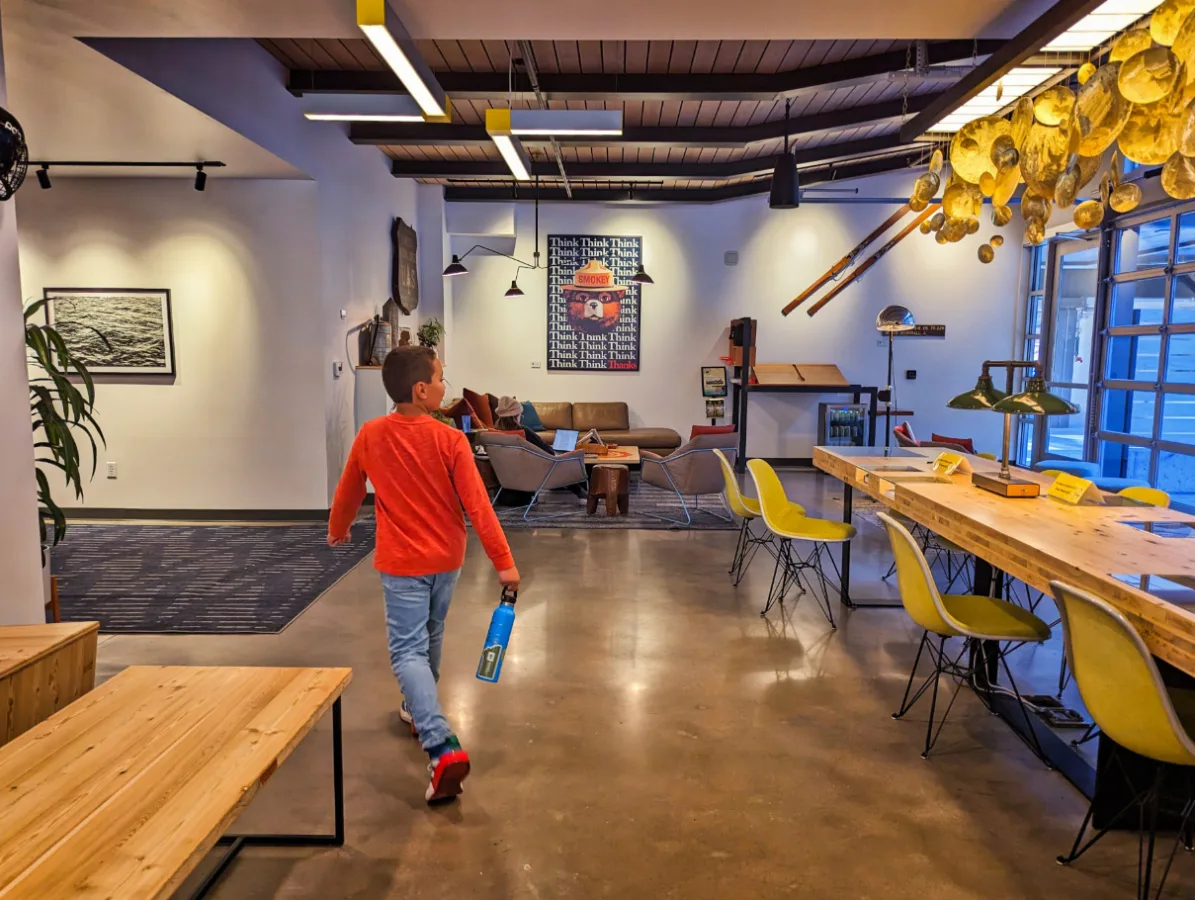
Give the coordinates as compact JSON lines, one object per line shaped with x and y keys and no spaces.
{"x":422,"y":473}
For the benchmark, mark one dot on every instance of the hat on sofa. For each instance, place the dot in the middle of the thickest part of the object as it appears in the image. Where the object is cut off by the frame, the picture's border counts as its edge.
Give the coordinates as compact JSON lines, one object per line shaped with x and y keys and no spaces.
{"x":509,"y":407}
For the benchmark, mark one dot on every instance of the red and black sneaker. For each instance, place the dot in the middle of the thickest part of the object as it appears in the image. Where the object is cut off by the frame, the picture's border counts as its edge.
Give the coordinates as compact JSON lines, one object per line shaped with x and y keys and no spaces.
{"x":448,"y":769}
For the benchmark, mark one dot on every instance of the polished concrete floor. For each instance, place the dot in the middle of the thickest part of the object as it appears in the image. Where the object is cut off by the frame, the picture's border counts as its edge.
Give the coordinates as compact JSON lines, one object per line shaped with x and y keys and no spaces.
{"x":652,"y":736}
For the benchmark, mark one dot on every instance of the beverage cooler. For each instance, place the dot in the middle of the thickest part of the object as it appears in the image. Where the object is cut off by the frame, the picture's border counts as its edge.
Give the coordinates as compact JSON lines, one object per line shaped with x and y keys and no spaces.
{"x":841,"y":424}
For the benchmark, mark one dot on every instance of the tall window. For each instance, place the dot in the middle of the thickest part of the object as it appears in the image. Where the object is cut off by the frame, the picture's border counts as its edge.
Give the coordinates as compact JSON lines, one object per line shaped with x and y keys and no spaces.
{"x":1147,"y":415}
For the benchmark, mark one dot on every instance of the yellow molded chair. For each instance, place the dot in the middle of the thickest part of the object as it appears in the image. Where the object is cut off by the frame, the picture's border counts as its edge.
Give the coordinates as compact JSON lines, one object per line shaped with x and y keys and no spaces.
{"x":991,"y":456}
{"x":946,"y":616}
{"x":747,"y":509}
{"x":1152,"y":496}
{"x":788,"y":523}
{"x":1123,"y":690}
{"x":1051,"y":473}
{"x":954,"y":560}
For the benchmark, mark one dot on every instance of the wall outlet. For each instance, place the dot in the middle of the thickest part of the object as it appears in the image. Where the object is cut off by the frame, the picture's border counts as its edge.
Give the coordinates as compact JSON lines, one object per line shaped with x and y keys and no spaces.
{"x":337,"y":368}
{"x":911,"y":374}
{"x":536,"y":365}
{"x":111,"y":470}
{"x":344,"y":314}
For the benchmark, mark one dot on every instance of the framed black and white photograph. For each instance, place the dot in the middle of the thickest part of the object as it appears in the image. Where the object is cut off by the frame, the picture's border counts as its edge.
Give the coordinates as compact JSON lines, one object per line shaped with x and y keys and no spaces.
{"x":115,"y":331}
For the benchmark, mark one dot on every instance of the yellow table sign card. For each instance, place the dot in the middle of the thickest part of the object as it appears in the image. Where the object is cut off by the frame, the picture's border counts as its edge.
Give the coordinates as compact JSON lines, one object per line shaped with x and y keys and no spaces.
{"x":949,"y":463}
{"x":1075,"y":490}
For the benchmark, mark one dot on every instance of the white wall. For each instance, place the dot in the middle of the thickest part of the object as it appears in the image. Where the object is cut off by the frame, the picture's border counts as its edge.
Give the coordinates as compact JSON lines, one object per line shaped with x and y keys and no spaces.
{"x":21,"y":601}
{"x":242,"y":425}
{"x":493,"y":342}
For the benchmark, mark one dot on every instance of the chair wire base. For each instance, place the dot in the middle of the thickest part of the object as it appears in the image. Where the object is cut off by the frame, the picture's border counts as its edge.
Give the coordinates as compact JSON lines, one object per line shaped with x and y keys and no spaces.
{"x":746,"y":547}
{"x":791,"y":569}
{"x":1147,"y":803}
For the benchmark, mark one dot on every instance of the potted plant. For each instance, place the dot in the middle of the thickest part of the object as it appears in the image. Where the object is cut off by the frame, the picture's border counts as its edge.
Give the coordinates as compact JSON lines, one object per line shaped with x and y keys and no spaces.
{"x":62,"y":402}
{"x":430,"y":333}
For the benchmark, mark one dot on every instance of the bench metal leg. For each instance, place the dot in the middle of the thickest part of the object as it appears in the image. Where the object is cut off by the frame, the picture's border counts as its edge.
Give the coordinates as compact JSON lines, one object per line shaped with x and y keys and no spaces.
{"x":237,"y":842}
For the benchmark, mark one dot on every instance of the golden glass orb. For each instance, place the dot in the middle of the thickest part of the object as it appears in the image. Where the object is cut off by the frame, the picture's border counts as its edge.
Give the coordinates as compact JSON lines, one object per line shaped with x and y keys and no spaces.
{"x":935,"y":162}
{"x":1085,"y":72}
{"x":996,"y":240}
{"x":1021,"y":122}
{"x":1152,"y":133}
{"x":961,"y":200}
{"x":1001,"y":215}
{"x":1004,"y":152}
{"x":1130,"y":44}
{"x":937,"y":220}
{"x":1007,"y":180}
{"x":1178,"y":177}
{"x":1035,"y":231}
{"x":1125,"y":197}
{"x":1089,"y":214}
{"x":1045,"y":156}
{"x":1053,"y":105}
{"x":1168,"y":19}
{"x":971,"y":147}
{"x":1034,"y":206}
{"x":1104,"y":107}
{"x":924,"y":227}
{"x":1068,"y":186}
{"x":917,"y":204}
{"x":986,"y":254}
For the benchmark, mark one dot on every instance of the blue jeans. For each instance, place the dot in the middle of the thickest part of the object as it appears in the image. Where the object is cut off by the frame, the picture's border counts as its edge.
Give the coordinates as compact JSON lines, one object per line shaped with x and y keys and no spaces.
{"x":416,"y":607}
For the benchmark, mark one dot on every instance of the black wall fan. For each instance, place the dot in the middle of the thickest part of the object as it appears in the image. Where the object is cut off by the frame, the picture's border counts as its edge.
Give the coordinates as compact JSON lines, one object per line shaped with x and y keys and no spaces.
{"x":14,"y":155}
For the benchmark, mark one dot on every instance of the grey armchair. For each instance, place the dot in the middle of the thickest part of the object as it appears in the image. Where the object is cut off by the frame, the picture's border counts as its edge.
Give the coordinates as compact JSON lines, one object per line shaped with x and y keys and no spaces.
{"x":691,"y":470}
{"x":520,"y":466}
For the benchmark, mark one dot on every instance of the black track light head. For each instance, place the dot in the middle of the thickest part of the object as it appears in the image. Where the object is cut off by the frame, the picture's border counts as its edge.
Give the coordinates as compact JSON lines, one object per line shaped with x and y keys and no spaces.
{"x":200,"y":178}
{"x":43,"y":178}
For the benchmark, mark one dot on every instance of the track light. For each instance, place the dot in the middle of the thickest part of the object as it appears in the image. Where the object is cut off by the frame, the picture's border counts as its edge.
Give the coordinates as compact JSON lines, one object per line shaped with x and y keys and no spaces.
{"x":786,"y":183}
{"x":514,"y":291}
{"x":200,"y":178}
{"x":43,"y":178}
{"x":456,"y":267}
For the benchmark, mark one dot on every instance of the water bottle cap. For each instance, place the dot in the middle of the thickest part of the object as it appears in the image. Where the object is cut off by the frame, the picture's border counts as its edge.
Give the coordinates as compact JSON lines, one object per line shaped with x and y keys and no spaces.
{"x":510,"y":595}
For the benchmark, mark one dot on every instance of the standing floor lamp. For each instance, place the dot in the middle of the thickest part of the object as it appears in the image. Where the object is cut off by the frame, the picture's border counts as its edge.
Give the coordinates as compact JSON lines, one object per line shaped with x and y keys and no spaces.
{"x":892,"y":320}
{"x":1035,"y":400}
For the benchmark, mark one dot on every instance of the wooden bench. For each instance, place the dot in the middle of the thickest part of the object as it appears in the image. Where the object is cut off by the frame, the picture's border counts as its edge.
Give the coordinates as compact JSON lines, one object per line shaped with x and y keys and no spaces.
{"x":42,"y":669}
{"x":125,"y":791}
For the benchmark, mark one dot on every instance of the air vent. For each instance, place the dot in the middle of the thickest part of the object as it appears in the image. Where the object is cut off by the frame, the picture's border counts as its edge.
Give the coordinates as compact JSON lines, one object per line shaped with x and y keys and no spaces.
{"x":731,"y":257}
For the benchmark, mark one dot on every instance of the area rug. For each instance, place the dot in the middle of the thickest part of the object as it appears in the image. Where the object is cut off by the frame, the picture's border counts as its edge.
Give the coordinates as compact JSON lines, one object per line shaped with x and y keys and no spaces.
{"x":217,"y":579}
{"x":646,"y":502}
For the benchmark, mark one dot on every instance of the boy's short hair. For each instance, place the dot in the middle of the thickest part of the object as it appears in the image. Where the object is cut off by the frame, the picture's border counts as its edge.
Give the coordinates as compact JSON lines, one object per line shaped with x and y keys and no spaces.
{"x":404,"y":368}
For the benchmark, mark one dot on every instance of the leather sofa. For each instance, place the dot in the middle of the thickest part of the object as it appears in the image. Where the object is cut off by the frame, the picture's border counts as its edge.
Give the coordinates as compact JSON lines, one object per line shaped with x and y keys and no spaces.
{"x":612,"y":422}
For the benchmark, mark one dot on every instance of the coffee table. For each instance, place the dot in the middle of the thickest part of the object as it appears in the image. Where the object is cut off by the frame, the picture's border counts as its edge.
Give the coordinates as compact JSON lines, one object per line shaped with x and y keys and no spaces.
{"x":610,"y":482}
{"x":619,"y":456}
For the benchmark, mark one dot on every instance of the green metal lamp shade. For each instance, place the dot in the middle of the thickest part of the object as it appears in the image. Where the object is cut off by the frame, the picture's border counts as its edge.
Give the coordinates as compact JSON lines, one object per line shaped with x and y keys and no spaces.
{"x":1035,"y":400}
{"x":983,"y":396}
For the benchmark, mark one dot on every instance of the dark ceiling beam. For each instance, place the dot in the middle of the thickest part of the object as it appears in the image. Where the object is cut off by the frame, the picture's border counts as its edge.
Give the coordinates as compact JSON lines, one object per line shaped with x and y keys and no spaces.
{"x":497,"y":170}
{"x":834,"y":172}
{"x":1016,"y":51}
{"x":653,"y":86}
{"x":400,"y":134}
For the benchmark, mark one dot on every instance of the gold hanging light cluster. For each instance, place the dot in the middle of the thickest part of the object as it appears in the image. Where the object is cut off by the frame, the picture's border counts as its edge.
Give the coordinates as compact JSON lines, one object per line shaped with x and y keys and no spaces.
{"x":1141,"y":102}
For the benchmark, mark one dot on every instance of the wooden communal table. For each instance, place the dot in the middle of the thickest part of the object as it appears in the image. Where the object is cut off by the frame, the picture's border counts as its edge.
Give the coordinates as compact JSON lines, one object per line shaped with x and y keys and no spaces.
{"x":42,"y":669}
{"x":1037,"y":540}
{"x":123,"y":793}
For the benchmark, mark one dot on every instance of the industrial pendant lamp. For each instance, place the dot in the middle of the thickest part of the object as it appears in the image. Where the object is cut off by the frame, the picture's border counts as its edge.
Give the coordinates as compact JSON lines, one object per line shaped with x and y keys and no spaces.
{"x":456,"y":267}
{"x":641,"y":276}
{"x":514,"y":291}
{"x":786,"y":184}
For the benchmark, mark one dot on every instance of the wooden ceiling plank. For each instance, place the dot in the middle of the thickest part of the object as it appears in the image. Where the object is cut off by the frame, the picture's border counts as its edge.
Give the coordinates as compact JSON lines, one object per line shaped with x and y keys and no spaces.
{"x":706,"y":111}
{"x":454,"y":57}
{"x":636,"y":56}
{"x":292,"y":49}
{"x":366,"y":57}
{"x":681,"y":59}
{"x":632,"y":114}
{"x":704,"y":56}
{"x":750,"y":56}
{"x":746,"y":112}
{"x":772,"y":56}
{"x":568,"y":56}
{"x":479,"y":60}
{"x":314,"y":48}
{"x":345,"y":59}
{"x":652,"y":110}
{"x":688,"y":112}
{"x":659,"y":56}
{"x":613,"y":56}
{"x":670,"y":112}
{"x":271,"y":47}
{"x":589,"y":54}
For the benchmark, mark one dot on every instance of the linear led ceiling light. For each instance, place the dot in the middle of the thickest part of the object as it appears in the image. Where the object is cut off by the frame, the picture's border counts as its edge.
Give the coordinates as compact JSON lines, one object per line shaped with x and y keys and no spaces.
{"x":564,"y":122}
{"x":1094,"y":29}
{"x":361,"y":108}
{"x":497,"y":126}
{"x":1106,"y":20}
{"x":385,"y":31}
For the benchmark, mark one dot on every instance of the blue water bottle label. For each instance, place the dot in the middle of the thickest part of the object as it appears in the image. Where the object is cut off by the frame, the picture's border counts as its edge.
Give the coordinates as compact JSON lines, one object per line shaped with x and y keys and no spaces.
{"x":491,"y":662}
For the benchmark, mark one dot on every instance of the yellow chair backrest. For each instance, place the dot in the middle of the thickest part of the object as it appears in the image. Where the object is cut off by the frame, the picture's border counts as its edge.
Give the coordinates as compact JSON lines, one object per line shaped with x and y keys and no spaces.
{"x":1152,"y":496}
{"x":1052,"y":473}
{"x":734,"y":497}
{"x":1118,"y":680}
{"x":773,"y":502}
{"x":918,"y":592}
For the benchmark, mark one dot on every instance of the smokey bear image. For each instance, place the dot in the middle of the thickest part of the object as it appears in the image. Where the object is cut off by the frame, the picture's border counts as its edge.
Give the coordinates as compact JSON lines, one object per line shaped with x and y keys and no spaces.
{"x":594,"y":301}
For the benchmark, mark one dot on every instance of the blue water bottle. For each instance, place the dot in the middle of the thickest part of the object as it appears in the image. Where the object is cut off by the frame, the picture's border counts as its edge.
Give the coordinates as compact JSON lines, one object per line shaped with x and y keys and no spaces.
{"x":503,"y":620}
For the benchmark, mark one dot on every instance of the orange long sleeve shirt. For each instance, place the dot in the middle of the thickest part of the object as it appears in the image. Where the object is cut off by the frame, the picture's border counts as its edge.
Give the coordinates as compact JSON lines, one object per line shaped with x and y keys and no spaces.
{"x":422,"y":473}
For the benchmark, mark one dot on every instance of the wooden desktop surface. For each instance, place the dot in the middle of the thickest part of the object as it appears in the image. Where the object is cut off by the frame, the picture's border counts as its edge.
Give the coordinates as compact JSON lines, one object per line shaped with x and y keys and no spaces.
{"x":1039,"y":540}
{"x":123,"y":792}
{"x":618,"y":456}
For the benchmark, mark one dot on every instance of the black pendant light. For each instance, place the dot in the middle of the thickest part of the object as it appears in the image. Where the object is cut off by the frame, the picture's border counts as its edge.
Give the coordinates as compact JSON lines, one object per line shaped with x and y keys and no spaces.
{"x":514,"y":291}
{"x":786,"y":185}
{"x":641,"y":277}
{"x":455,"y":267}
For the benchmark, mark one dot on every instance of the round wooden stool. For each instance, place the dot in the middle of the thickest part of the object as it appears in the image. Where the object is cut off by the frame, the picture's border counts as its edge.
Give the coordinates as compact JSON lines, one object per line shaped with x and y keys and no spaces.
{"x":612,"y":483}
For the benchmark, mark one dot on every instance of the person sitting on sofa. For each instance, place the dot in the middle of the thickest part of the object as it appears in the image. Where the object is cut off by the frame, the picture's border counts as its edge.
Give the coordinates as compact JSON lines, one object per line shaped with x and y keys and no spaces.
{"x":509,"y":420}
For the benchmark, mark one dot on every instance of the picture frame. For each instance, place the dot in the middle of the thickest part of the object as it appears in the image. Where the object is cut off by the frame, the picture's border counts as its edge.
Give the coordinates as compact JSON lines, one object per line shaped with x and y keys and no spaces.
{"x":713,"y":381}
{"x":137,"y":323}
{"x":715,"y":409}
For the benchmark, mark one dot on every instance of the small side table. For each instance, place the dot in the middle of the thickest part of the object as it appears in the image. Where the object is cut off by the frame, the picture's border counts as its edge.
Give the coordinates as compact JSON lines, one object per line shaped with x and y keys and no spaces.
{"x":611,"y":483}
